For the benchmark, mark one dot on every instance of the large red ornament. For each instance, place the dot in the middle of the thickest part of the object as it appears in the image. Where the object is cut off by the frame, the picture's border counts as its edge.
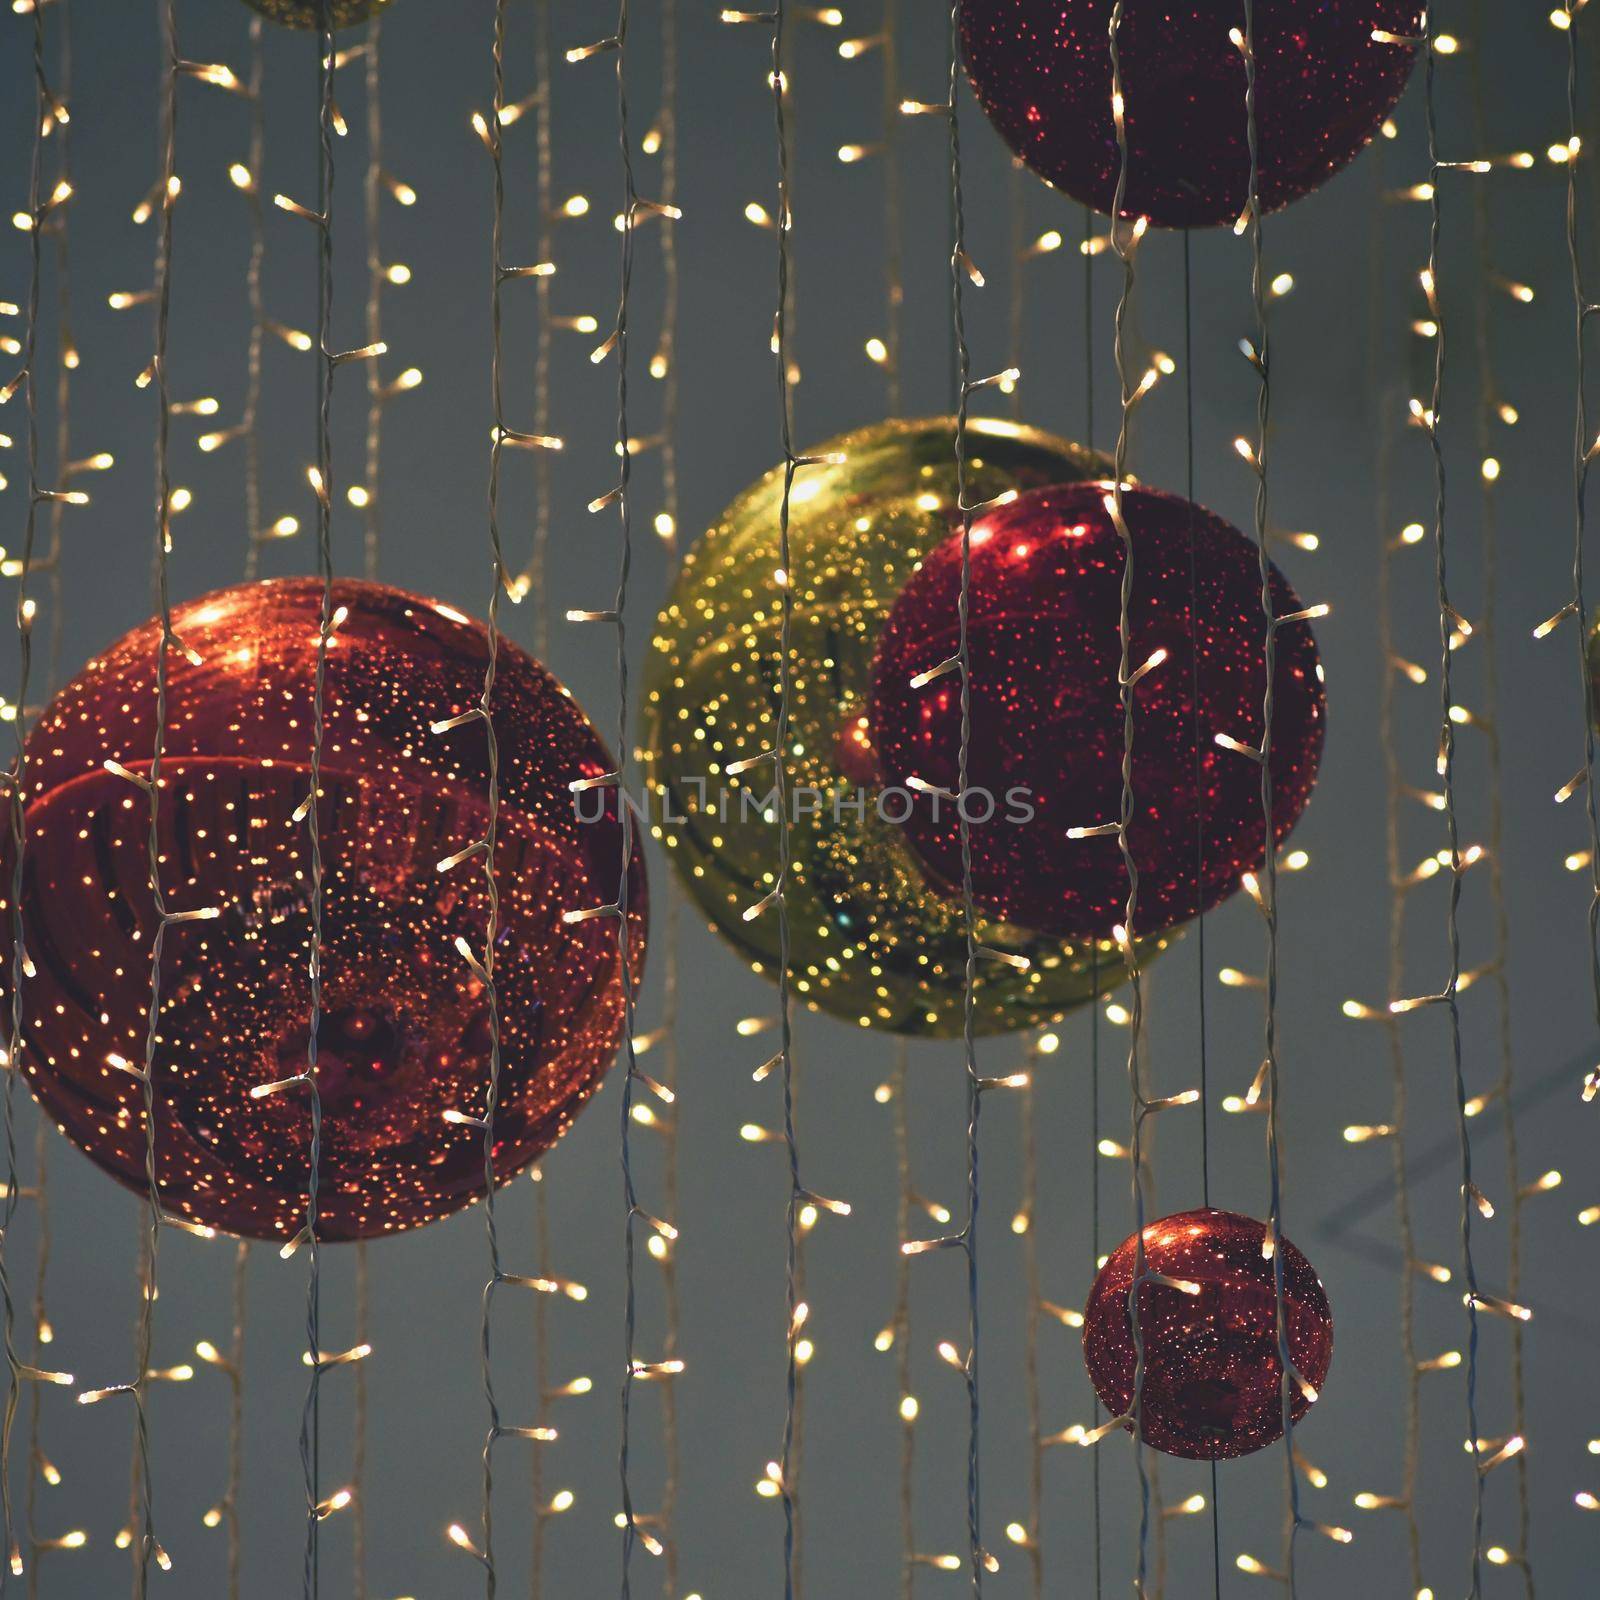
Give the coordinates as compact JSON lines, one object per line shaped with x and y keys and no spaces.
{"x":1212,"y":1385}
{"x":404,"y":1033}
{"x":1042,"y":72}
{"x":1045,"y":753}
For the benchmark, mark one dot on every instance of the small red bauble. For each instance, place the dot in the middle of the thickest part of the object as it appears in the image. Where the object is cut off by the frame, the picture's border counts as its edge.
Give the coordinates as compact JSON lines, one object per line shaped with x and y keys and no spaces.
{"x":1212,"y":1385}
{"x":1042,"y":72}
{"x":404,"y":1033}
{"x":1045,"y":753}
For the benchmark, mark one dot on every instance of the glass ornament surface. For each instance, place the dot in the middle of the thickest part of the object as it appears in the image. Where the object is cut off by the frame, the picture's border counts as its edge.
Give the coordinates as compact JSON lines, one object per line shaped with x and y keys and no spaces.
{"x":1045,"y":651}
{"x":404,"y":1034}
{"x":1212,"y":1375}
{"x":1041,"y":70}
{"x":873,"y":940}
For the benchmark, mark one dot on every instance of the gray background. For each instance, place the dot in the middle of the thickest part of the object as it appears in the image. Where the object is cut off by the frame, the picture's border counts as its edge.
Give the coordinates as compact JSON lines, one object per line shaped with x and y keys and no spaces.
{"x":427,"y":1411}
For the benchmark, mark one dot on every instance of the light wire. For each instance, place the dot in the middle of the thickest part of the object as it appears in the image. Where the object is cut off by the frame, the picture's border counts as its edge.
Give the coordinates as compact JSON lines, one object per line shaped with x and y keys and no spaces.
{"x":1432,"y":426}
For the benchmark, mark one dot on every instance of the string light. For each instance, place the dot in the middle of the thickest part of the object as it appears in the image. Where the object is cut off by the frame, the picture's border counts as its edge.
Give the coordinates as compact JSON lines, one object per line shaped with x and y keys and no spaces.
{"x":1262,"y":886}
{"x":631,"y":1523}
{"x":17,"y":1373}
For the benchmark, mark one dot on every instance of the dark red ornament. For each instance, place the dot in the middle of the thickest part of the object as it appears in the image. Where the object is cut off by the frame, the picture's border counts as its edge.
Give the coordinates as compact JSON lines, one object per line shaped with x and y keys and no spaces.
{"x":404,"y":1034}
{"x":1045,"y":753}
{"x":1042,"y":72}
{"x":1212,"y":1386}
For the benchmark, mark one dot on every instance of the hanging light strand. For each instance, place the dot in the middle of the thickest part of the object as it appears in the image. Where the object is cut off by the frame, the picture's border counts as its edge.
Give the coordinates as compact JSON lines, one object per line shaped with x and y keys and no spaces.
{"x":531,"y":579}
{"x":251,"y":422}
{"x":1201,"y":1031}
{"x":893,"y":276}
{"x":1026,"y":1221}
{"x":1089,"y":330}
{"x":54,"y":123}
{"x":147,"y":1546}
{"x":1395,"y":794}
{"x":1447,"y":775}
{"x":533,"y":574}
{"x":1489,"y":411}
{"x":251,"y":189}
{"x":16,"y":1371}
{"x":979,"y":1560}
{"x":899,"y":1330}
{"x":1125,"y":241}
{"x":541,"y":1508}
{"x":59,"y":126}
{"x":482,"y":962}
{"x":1267,"y":879}
{"x":309,"y":1418}
{"x":664,"y":366}
{"x":1018,"y":184}
{"x":632,"y":1524}
{"x":1581,"y":457}
{"x":235,"y":1478}
{"x":38,"y":1466}
{"x":377,"y":276}
{"x":788,"y":1477}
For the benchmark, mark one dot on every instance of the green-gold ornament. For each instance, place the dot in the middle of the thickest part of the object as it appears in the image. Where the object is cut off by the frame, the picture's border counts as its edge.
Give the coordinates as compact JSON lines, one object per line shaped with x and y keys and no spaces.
{"x":872,"y":938}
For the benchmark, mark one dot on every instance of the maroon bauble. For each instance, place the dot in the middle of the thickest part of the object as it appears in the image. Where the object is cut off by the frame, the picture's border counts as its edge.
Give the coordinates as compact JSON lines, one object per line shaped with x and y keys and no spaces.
{"x":1212,"y":1386}
{"x":404,"y":1034}
{"x":1047,"y":737}
{"x":1042,"y":71}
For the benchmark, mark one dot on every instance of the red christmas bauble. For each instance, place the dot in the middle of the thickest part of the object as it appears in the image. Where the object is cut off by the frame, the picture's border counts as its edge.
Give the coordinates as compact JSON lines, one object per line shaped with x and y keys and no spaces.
{"x":404,"y":1033}
{"x":1212,"y":1386}
{"x":1042,"y":72}
{"x":1045,"y":753}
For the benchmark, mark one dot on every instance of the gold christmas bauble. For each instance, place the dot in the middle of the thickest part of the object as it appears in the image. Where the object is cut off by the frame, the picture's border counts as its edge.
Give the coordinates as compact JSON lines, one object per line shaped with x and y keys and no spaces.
{"x":872,"y":938}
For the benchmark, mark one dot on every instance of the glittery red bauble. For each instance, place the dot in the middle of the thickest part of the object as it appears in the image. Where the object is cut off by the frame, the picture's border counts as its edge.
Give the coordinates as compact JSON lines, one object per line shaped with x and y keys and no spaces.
{"x":1047,"y":734}
{"x":404,"y":1034}
{"x":1212,"y":1385}
{"x":1042,"y":72}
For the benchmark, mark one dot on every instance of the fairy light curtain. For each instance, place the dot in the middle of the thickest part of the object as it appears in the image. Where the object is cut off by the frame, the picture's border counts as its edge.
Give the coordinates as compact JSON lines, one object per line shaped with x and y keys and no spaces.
{"x":761,"y":1383}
